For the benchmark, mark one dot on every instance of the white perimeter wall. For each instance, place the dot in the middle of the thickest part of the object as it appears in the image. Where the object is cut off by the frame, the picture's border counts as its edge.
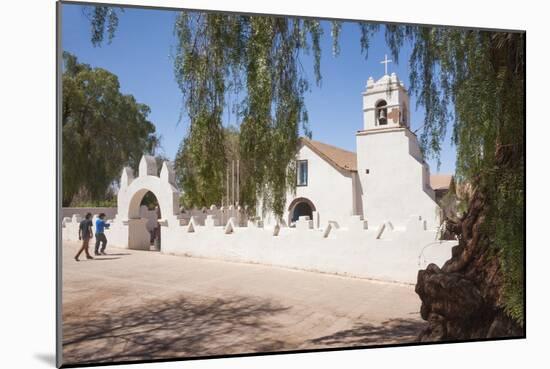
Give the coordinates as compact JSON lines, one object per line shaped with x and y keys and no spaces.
{"x":396,"y":256}
{"x":382,"y":252}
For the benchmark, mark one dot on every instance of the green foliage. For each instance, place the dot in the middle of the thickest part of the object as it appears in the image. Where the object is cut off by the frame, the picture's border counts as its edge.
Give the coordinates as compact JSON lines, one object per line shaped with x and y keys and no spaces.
{"x":259,"y":58}
{"x":367,"y":31}
{"x":480,"y":74}
{"x":149,"y":200}
{"x":508,"y":220}
{"x":186,"y":171}
{"x":201,"y":66}
{"x":102,"y":131}
{"x":449,"y":205}
{"x":104,"y":20}
{"x":232,"y":142}
{"x":108,"y":203}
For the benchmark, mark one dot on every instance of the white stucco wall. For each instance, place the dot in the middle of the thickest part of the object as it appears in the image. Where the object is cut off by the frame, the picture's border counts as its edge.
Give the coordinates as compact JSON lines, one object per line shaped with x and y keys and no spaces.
{"x":397,"y":185}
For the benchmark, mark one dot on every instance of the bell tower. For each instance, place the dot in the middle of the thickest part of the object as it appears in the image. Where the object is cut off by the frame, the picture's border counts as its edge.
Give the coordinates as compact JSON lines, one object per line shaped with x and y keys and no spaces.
{"x":385,"y":102}
{"x":394,"y":178}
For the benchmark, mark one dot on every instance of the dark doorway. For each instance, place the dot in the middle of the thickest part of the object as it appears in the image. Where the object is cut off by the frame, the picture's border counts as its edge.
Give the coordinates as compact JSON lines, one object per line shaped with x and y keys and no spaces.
{"x":302,"y":209}
{"x":152,"y":214}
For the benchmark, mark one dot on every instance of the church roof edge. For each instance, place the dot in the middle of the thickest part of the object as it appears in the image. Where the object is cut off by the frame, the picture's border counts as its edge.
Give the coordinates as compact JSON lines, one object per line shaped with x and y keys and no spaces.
{"x":342,"y":159}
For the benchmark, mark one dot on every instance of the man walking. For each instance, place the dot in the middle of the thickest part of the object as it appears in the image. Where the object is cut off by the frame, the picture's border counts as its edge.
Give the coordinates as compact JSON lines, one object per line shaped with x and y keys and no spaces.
{"x":84,"y":234}
{"x":100,"y":226}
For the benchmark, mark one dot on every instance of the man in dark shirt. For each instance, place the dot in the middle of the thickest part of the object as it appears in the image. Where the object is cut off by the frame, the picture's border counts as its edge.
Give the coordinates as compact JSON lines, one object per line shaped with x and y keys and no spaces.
{"x":84,"y":234}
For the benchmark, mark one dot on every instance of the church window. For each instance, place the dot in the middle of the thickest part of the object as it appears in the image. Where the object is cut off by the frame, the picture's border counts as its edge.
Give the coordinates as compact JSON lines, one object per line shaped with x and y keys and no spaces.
{"x":302,"y":173}
{"x":382,"y":113}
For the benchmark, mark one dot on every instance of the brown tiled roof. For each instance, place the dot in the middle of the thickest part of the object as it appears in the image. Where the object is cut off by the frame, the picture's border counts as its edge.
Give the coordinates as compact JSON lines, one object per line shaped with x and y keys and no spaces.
{"x":342,"y":159}
{"x":440,"y":181}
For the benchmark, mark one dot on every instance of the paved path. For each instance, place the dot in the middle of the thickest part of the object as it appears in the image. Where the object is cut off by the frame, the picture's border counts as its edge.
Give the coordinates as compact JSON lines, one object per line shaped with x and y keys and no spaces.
{"x":140,"y":305}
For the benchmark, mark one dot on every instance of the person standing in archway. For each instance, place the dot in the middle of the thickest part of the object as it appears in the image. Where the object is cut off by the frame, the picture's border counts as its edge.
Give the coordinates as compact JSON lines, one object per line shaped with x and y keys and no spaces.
{"x":100,"y":238}
{"x":84,"y":234}
{"x":157,"y":228}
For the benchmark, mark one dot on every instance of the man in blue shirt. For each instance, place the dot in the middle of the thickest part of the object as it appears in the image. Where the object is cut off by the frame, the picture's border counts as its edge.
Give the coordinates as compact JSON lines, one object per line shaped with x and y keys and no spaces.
{"x":100,"y":226}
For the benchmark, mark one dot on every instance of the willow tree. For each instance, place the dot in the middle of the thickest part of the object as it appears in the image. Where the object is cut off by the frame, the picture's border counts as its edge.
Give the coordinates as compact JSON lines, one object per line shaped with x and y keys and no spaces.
{"x":473,"y":82}
{"x":258,"y":58}
{"x":104,"y":22}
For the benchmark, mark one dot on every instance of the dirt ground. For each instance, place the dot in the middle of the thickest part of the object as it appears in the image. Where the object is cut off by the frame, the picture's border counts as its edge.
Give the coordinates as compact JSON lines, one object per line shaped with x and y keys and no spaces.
{"x":141,"y":305}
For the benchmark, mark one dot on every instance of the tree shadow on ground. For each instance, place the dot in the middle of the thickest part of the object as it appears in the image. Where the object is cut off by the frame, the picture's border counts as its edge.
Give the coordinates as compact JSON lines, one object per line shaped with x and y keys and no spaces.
{"x":172,"y":329}
{"x":365,"y":334}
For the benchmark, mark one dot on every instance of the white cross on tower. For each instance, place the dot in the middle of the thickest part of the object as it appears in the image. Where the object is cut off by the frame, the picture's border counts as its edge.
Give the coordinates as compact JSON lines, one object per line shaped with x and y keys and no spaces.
{"x":385,"y":62}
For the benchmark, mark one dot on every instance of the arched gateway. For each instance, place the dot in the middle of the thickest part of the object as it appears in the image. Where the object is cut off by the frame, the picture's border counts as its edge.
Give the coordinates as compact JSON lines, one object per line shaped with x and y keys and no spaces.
{"x":131,"y":193}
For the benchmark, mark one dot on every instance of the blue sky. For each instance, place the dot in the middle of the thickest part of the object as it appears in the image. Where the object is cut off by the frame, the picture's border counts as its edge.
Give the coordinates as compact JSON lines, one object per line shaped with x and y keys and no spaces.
{"x":140,"y":55}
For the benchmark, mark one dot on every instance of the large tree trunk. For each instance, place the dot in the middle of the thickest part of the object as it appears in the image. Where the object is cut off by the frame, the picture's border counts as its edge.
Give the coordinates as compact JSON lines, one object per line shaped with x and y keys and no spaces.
{"x":463,"y":299}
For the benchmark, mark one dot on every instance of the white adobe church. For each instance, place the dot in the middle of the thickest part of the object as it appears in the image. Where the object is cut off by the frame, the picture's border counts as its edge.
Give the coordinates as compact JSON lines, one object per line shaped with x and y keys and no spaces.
{"x":386,"y":181}
{"x":370,"y":215}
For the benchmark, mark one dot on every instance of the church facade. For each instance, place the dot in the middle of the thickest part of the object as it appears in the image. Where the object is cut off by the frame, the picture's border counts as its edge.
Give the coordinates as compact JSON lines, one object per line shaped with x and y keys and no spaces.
{"x":334,"y":184}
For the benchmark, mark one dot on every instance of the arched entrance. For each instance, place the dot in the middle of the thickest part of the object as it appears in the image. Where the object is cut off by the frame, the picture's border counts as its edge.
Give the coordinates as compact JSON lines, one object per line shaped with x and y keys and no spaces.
{"x":150,"y":210}
{"x":300,"y":206}
{"x":149,"y":198}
